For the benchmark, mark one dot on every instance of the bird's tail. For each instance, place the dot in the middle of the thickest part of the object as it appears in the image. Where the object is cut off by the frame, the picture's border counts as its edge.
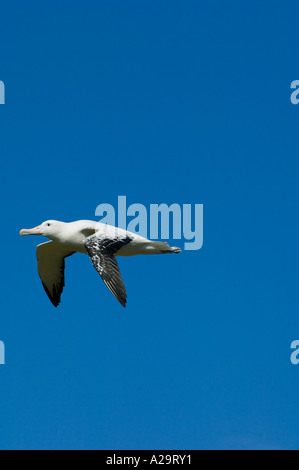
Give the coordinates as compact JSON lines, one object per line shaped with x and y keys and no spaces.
{"x":163,"y":247}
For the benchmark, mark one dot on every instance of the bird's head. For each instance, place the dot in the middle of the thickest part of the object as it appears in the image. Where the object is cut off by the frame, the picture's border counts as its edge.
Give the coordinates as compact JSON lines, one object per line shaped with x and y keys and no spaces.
{"x":49,"y":229}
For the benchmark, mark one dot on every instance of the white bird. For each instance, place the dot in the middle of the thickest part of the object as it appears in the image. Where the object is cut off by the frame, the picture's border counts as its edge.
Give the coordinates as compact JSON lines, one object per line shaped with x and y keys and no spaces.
{"x":100,"y":241}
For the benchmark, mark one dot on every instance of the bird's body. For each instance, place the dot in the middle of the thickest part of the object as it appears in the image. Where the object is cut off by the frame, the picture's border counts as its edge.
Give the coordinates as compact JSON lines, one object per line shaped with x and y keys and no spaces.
{"x":74,"y":234}
{"x":100,"y":241}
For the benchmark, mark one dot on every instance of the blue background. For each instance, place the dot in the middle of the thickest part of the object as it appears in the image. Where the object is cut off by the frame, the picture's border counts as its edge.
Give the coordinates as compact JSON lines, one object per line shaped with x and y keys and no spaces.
{"x":161,"y":101}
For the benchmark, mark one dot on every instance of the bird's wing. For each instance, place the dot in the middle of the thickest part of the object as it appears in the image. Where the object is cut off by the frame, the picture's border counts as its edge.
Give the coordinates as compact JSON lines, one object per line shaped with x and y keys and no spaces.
{"x":101,"y":248}
{"x":50,"y":265}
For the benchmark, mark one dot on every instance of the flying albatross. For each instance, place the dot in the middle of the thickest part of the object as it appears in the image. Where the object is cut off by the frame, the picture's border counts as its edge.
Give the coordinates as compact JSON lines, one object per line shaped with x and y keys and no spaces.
{"x":100,"y":241}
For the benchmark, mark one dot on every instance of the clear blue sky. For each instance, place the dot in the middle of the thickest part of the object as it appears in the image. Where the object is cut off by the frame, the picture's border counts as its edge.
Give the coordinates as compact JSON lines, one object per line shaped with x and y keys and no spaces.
{"x":161,"y":101}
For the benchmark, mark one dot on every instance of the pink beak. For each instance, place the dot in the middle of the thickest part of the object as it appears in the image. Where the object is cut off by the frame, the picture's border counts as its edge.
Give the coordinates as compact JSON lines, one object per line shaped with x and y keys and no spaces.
{"x":31,"y":231}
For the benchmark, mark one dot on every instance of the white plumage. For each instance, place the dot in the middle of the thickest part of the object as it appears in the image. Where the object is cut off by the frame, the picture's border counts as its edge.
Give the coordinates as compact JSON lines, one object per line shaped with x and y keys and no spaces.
{"x":100,"y":241}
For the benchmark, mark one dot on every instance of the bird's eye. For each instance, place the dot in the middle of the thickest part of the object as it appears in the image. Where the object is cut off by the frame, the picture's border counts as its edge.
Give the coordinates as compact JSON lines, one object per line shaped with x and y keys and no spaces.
{"x":48,"y":225}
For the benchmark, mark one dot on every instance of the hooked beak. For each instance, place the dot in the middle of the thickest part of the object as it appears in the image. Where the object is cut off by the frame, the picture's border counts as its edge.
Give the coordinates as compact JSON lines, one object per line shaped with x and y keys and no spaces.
{"x":31,"y":231}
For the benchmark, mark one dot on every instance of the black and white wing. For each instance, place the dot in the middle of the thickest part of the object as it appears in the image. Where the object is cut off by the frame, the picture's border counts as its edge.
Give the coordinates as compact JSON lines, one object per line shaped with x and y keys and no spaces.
{"x":50,"y":265}
{"x":101,"y":249}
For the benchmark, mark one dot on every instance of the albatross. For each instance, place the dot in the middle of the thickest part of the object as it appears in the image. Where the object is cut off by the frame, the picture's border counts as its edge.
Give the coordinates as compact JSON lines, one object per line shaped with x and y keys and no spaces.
{"x":101,"y":242}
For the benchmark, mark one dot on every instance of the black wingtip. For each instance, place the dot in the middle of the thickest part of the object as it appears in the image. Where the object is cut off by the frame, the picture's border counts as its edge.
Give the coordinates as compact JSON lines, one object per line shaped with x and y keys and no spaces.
{"x":55,"y":297}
